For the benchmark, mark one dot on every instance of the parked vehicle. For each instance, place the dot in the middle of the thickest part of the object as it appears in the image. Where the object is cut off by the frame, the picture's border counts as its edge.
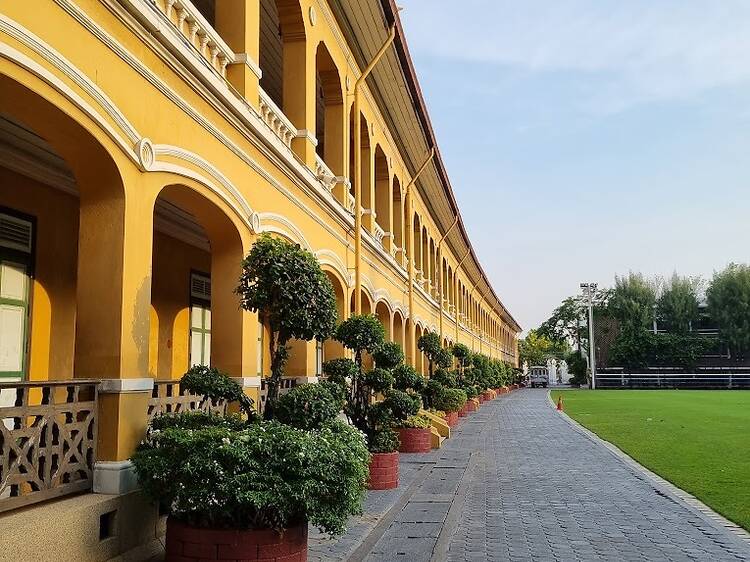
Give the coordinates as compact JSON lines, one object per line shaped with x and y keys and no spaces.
{"x":538,"y":376}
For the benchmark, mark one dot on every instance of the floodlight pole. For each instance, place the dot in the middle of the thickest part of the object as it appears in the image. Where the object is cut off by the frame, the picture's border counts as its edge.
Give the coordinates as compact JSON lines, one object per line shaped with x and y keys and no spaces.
{"x":588,"y":291}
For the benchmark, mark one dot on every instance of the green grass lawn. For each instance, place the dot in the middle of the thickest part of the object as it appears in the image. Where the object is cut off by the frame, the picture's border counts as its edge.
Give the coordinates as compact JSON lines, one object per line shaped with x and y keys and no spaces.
{"x":698,"y":440}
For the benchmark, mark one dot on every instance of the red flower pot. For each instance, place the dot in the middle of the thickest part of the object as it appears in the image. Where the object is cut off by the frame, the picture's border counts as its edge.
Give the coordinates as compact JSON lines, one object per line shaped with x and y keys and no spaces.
{"x":481,"y":398}
{"x":463,"y":412}
{"x":384,"y":471}
{"x":471,"y":406}
{"x":451,"y":418}
{"x":415,"y":440}
{"x":191,"y":544}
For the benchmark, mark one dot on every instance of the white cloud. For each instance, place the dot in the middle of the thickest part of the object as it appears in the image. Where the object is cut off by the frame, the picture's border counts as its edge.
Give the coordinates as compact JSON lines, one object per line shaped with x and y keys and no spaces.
{"x":643,"y":49}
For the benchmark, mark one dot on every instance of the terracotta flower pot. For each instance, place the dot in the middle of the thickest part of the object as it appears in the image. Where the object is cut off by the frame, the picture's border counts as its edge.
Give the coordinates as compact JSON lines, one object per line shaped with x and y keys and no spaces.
{"x":384,"y":471}
{"x":487,"y":396}
{"x":191,"y":544}
{"x":481,"y":398}
{"x":451,"y":418}
{"x":415,"y":440}
{"x":463,"y":412}
{"x":471,"y":406}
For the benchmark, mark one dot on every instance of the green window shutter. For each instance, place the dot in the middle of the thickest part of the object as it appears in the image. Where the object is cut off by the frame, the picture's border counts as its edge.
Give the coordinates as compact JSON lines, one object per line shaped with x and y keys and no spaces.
{"x":200,"y":320}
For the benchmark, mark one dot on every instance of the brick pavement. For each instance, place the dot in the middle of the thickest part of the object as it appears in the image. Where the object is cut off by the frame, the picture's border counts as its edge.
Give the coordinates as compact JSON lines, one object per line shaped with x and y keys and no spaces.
{"x":517,"y":482}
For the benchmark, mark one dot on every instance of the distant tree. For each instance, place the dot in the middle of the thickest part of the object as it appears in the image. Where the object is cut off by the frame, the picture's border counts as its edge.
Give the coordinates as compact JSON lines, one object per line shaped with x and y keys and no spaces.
{"x":728,"y":298}
{"x":677,"y":306}
{"x":285,"y":285}
{"x":536,"y":349}
{"x":632,"y":301}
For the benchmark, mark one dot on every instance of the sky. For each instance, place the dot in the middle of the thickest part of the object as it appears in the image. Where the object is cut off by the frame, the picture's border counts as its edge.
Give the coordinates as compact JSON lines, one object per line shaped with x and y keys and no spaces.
{"x":588,"y":138}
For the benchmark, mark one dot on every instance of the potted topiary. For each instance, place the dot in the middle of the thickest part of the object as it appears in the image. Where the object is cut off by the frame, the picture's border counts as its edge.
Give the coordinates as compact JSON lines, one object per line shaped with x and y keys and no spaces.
{"x":364,"y":334}
{"x":245,"y":489}
{"x":450,"y":400}
{"x":415,"y":434}
{"x":293,"y":297}
{"x":437,"y":357}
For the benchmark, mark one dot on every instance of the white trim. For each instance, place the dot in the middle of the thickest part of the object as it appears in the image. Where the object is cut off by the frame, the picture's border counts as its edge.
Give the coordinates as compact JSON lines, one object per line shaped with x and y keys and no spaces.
{"x":120,"y":386}
{"x":247,"y":382}
{"x":115,"y":477}
{"x":247,"y":60}
{"x":307,"y":380}
{"x":293,"y":232}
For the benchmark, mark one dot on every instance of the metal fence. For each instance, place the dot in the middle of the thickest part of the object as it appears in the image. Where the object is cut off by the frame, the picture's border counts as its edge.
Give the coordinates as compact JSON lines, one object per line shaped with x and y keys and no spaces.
{"x":726,"y":381}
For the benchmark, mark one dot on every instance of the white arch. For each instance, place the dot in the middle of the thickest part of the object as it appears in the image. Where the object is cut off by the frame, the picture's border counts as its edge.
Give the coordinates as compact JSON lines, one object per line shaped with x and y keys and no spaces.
{"x":279,"y":224}
{"x":331,"y":259}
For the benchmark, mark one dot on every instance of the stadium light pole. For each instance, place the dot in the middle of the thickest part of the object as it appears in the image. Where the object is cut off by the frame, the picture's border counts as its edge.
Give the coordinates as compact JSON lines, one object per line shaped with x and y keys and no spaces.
{"x":588,"y":292}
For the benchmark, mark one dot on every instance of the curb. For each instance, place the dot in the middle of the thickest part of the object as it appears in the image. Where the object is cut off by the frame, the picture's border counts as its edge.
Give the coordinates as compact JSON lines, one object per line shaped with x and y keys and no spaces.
{"x":678,"y":495}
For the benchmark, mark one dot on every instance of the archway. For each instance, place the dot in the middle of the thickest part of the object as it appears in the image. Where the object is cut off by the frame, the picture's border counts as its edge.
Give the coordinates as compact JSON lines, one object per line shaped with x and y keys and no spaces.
{"x":419,"y":360}
{"x":399,"y":335}
{"x":383,"y":312}
{"x":282,"y":57}
{"x":65,"y":202}
{"x":197,"y":257}
{"x":382,"y":192}
{"x":333,"y":349}
{"x":329,"y":111}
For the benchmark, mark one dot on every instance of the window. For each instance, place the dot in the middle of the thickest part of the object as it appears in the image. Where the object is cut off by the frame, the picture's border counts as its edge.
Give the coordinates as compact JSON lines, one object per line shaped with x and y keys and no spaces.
{"x":319,"y":358}
{"x":261,"y":332}
{"x":16,"y":237}
{"x":200,"y":319}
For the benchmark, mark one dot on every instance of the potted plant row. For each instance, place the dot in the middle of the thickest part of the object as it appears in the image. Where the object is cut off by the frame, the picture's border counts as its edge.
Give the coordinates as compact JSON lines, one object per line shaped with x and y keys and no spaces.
{"x":236,"y":487}
{"x":377,"y":400}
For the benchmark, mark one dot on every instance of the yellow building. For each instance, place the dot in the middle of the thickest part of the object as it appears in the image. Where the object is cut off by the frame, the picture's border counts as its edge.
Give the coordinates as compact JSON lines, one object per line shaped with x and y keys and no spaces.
{"x":144,"y":145}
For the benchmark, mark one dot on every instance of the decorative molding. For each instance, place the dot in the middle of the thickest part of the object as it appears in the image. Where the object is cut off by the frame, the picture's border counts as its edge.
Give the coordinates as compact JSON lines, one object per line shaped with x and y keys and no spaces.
{"x":247,"y":60}
{"x":124,"y":386}
{"x":247,"y":382}
{"x":331,"y":259}
{"x":115,"y":477}
{"x":293,"y":233}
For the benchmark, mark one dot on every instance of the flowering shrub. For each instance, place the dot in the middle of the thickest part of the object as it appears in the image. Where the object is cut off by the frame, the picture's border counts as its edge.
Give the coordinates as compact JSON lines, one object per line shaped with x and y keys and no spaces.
{"x":264,"y":476}
{"x":218,"y":472}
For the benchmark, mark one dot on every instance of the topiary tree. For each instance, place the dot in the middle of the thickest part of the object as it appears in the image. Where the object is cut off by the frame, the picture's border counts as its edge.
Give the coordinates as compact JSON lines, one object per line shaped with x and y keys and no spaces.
{"x":375,"y":419}
{"x":463,"y":355}
{"x":285,"y":285}
{"x":389,"y":355}
{"x":214,"y":385}
{"x":429,"y":344}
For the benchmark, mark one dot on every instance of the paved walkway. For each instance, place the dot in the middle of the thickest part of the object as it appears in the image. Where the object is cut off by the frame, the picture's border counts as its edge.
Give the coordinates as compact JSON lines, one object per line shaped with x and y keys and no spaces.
{"x":517,"y":482}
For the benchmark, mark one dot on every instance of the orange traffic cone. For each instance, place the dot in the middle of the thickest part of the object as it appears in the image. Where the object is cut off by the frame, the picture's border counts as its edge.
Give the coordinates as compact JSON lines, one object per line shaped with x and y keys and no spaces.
{"x":559,"y":404}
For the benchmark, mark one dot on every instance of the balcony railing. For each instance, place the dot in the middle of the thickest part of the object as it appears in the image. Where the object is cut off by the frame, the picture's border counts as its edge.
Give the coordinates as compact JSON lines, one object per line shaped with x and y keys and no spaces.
{"x":198,"y":32}
{"x":351,"y":202}
{"x":276,"y":120}
{"x":47,"y":440}
{"x":324,"y":174}
{"x":168,"y":398}
{"x":379,"y":234}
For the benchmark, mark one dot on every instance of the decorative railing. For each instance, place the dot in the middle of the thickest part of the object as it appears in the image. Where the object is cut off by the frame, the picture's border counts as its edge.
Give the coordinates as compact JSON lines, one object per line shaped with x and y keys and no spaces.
{"x":198,"y":32}
{"x":379,"y":233}
{"x":168,"y":398}
{"x":351,"y":202}
{"x":276,"y":120}
{"x":324,"y":174}
{"x":47,"y":440}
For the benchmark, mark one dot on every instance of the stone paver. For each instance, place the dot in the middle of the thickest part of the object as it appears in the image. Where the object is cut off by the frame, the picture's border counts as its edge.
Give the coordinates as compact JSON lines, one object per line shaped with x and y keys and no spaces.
{"x":517,"y":482}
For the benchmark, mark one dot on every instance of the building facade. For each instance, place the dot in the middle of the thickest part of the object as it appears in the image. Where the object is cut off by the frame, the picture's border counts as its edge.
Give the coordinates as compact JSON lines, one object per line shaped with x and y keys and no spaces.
{"x":145,"y":145}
